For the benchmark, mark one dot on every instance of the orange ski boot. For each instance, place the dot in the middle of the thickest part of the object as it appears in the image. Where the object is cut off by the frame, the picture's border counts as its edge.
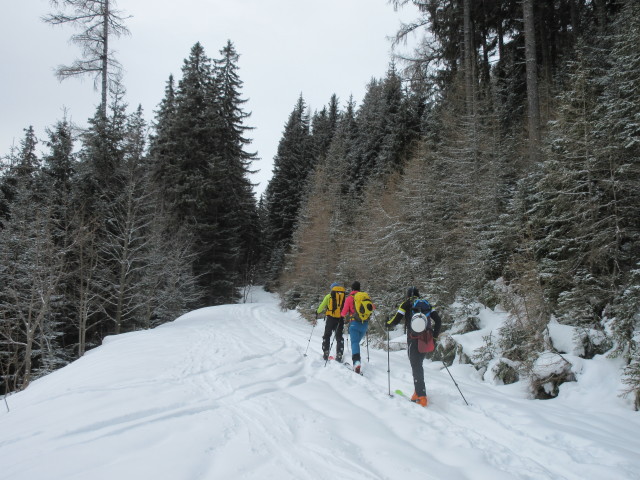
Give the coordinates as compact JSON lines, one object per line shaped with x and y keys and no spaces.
{"x":419,"y":400}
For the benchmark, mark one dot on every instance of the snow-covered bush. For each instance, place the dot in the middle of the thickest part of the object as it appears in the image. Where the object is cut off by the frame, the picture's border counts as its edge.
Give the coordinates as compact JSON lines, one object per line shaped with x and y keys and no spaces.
{"x":446,"y":350}
{"x":290,"y":299}
{"x":583,"y":342}
{"x":548,"y":372}
{"x":483,"y":355}
{"x":632,"y":380}
{"x":465,"y":318}
{"x":502,"y":371}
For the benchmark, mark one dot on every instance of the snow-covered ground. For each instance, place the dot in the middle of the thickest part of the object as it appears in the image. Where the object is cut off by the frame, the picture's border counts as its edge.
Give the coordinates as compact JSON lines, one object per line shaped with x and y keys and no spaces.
{"x":226,"y":393}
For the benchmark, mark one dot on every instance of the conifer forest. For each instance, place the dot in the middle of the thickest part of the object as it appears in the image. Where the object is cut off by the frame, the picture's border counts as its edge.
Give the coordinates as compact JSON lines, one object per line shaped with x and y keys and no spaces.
{"x":498,"y":164}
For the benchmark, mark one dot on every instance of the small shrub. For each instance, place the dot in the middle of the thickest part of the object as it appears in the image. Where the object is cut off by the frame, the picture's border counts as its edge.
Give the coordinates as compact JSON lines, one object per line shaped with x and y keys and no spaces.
{"x":550,"y":371}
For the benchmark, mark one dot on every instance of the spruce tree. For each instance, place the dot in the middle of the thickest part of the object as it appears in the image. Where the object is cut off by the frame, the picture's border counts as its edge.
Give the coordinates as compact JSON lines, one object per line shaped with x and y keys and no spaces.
{"x":201,"y":166}
{"x":323,"y":128}
{"x":162,"y":150}
{"x":288,"y":185}
{"x":617,"y":163}
{"x":317,"y":242}
{"x":234,"y":164}
{"x":384,"y":135}
{"x":59,"y":182}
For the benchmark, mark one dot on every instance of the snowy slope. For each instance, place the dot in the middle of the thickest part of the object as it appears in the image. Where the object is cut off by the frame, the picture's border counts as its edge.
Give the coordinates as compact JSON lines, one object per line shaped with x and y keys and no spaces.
{"x":226,"y":393}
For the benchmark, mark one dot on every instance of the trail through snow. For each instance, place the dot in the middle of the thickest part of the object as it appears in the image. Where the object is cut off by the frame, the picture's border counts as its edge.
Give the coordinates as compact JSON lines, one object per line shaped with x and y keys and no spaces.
{"x":226,"y":393}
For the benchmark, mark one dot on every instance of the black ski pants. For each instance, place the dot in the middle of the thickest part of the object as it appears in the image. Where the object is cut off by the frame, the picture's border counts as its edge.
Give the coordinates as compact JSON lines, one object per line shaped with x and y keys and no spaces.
{"x":415,"y":359}
{"x":333,"y":324}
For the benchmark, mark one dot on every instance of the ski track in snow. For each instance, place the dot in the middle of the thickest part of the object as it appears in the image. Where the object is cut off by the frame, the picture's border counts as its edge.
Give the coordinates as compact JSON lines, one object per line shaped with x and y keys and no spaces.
{"x":226,"y":393}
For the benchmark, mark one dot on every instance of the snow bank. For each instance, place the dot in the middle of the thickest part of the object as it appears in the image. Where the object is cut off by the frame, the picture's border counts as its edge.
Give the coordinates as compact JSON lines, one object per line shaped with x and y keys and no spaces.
{"x":225,"y":393}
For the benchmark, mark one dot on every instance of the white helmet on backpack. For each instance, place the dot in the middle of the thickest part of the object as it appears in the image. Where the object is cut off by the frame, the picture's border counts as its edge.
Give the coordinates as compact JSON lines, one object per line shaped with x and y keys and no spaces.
{"x":419,"y":322}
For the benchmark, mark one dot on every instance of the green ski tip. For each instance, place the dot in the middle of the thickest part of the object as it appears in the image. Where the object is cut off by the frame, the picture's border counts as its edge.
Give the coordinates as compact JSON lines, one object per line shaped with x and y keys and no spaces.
{"x":399,"y":392}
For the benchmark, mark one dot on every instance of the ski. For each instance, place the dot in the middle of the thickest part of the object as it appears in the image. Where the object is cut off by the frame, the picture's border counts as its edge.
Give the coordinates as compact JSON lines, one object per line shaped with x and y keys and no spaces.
{"x":402,"y":394}
{"x":346,"y":364}
{"x":350,"y":367}
{"x":339,"y":361}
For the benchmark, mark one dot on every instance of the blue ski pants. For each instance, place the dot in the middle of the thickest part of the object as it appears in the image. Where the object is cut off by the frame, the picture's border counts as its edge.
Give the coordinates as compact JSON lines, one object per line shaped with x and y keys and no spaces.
{"x":357,"y":331}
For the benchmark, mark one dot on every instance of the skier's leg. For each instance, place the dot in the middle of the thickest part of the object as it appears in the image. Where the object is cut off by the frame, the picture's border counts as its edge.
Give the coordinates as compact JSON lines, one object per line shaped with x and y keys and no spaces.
{"x":354,"y":336}
{"x":415,"y":359}
{"x":326,"y":338}
{"x":339,"y":339}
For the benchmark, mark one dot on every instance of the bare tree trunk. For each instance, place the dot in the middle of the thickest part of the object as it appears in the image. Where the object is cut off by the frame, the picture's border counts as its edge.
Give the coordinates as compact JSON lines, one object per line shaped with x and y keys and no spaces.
{"x":575,"y":18}
{"x":601,"y":14}
{"x":97,"y":20}
{"x":82,"y":305}
{"x":83,"y":300}
{"x":105,"y":57}
{"x":45,"y":282}
{"x":500,"y":40}
{"x":468,"y":58}
{"x":32,"y":325}
{"x":87,"y":268}
{"x":532,"y":76}
{"x":123,"y":274}
{"x":485,"y":71}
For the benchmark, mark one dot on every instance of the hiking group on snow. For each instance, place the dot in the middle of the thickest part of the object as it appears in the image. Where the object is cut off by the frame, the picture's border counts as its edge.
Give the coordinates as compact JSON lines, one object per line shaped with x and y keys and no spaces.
{"x":421,"y":322}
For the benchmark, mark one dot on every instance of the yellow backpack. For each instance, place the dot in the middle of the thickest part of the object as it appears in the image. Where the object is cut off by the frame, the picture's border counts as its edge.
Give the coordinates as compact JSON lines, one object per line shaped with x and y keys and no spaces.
{"x":363,"y":306}
{"x":336,"y":301}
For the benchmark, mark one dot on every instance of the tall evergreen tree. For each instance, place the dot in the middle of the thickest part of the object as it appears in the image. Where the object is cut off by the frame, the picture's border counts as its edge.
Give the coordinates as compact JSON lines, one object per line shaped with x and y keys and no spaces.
{"x":59,"y":186}
{"x":383,"y":131}
{"x":202,"y":165}
{"x":323,"y":128}
{"x":162,"y":149}
{"x":617,"y":165}
{"x":22,"y":162}
{"x":234,"y":163}
{"x":186,"y":162}
{"x":287,"y":187}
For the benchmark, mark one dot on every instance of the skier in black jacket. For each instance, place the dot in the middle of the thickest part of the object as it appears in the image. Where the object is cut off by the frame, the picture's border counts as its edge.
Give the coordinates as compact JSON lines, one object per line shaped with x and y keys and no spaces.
{"x":418,"y":342}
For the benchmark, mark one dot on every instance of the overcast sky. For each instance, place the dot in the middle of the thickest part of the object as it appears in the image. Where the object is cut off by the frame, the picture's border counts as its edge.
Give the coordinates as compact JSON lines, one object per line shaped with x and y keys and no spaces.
{"x":287,"y":48}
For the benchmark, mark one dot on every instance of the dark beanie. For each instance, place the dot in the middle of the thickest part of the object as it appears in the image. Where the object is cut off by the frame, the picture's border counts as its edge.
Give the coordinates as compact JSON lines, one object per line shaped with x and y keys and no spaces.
{"x":413,"y":292}
{"x":355,"y":286}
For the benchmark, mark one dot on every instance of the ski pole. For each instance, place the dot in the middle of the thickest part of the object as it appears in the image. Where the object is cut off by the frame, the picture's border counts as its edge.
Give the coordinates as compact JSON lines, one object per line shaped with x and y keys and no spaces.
{"x":388,"y":353}
{"x":348,"y":335}
{"x":373,"y":315}
{"x":367,"y":335}
{"x":454,"y":382}
{"x":388,"y":359}
{"x":309,"y":342}
{"x":346,"y":324}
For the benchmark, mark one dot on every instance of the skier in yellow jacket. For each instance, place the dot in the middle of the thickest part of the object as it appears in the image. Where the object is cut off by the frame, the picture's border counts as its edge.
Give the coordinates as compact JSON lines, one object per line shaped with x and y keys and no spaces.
{"x":332,"y":303}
